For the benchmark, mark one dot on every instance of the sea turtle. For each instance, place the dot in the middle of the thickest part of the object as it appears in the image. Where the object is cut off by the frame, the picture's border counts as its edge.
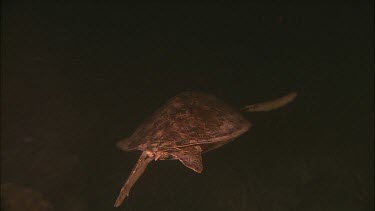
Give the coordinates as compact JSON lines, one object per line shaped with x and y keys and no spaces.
{"x":186,"y":126}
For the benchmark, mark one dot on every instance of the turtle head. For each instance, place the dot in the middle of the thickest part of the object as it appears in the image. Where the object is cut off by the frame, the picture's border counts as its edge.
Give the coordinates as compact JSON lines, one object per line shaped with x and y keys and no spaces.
{"x":123,"y":144}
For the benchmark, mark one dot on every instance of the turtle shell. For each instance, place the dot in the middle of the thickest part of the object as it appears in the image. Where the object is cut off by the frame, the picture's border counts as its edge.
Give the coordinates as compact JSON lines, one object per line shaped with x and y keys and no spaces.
{"x":189,"y":118}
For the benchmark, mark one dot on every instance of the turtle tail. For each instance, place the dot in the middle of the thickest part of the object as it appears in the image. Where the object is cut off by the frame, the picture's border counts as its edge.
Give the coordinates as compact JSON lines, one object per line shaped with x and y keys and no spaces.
{"x":273,"y":104}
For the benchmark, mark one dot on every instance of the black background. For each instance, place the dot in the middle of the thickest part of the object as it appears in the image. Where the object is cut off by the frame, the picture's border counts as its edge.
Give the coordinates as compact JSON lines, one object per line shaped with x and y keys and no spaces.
{"x":77,"y":77}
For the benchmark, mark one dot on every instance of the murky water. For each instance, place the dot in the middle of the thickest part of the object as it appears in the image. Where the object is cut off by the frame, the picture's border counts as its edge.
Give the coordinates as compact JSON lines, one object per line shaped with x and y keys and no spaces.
{"x":76,"y":78}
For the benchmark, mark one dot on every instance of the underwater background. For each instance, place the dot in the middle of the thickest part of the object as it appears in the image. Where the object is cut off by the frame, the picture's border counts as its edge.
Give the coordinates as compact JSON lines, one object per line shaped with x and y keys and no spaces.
{"x":78,"y":77}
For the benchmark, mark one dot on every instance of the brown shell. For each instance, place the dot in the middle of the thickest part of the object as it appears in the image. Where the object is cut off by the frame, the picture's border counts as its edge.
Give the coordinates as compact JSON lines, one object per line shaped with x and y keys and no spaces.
{"x":190,"y":118}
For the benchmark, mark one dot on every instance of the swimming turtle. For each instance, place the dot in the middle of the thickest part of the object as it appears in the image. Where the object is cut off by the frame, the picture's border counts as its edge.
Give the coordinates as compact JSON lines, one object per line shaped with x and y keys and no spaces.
{"x":186,"y":126}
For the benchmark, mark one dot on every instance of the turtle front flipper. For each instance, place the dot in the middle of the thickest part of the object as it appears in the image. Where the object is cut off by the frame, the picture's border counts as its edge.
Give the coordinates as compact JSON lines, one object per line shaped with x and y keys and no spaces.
{"x":191,"y":157}
{"x":137,"y":171}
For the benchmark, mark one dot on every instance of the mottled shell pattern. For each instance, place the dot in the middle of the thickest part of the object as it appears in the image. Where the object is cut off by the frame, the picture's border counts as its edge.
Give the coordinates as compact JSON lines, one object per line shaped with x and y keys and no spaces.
{"x":190,"y":118}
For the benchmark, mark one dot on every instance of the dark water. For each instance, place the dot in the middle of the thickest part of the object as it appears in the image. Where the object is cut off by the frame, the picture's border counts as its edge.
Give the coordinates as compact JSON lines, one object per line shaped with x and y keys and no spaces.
{"x":78,"y":77}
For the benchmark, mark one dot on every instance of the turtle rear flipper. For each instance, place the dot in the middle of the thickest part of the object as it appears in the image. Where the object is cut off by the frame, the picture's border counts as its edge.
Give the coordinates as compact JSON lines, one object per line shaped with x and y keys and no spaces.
{"x":191,"y":157}
{"x":273,"y":104}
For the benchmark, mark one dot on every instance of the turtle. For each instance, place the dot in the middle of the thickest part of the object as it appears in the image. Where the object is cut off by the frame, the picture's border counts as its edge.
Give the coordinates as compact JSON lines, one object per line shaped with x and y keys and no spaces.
{"x":187,"y":125}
